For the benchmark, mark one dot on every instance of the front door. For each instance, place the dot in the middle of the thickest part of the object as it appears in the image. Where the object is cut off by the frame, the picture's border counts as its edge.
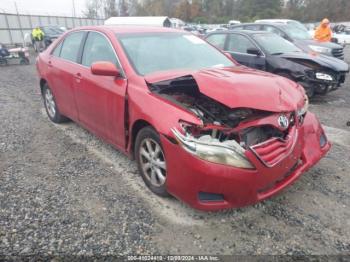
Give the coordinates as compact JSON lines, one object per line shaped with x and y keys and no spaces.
{"x":237,"y":46}
{"x":101,"y":99}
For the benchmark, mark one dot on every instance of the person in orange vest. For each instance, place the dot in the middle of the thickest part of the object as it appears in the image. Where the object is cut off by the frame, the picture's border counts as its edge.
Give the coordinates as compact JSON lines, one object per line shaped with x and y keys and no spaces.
{"x":323,"y":32}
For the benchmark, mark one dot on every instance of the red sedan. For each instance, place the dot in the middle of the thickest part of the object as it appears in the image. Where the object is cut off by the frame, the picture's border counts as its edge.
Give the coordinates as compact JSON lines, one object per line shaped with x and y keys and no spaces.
{"x":201,"y":127}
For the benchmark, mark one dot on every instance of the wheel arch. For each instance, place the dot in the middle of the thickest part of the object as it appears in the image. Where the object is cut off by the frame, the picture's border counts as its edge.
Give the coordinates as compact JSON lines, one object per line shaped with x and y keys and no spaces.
{"x":43,"y":82}
{"x":136,"y":127}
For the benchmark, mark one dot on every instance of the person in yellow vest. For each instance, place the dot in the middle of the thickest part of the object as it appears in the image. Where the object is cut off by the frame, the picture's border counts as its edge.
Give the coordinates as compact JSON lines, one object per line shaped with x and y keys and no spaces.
{"x":38,"y":39}
{"x":323,"y":33}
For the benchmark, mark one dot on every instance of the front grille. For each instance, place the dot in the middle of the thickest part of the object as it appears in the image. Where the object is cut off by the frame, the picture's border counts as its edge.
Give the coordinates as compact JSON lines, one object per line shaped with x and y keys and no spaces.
{"x":338,"y":53}
{"x":274,"y":150}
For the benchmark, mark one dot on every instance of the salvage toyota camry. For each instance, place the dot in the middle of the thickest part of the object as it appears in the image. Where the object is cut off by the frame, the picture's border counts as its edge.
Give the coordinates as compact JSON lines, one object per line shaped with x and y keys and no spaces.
{"x":201,"y":127}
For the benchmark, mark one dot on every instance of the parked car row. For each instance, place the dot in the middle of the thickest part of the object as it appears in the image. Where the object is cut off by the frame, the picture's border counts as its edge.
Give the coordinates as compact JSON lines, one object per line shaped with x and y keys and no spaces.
{"x":201,"y":127}
{"x":272,"y":53}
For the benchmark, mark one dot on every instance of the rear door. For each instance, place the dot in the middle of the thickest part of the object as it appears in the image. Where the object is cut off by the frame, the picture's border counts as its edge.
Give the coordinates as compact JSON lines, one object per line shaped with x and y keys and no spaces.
{"x":101,"y":99}
{"x":62,"y":62}
{"x":238,"y":44}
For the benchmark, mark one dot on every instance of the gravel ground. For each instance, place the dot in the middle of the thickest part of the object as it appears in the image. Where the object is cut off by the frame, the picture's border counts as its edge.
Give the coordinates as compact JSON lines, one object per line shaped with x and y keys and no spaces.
{"x":65,"y":192}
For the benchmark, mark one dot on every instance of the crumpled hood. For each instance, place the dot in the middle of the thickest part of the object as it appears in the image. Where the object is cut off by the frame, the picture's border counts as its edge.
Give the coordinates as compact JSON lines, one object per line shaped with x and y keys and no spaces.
{"x":241,"y":87}
{"x":324,"y":61}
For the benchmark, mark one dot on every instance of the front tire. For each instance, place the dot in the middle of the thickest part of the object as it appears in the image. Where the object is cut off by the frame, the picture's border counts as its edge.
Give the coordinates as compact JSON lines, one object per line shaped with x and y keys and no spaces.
{"x":51,"y":106}
{"x":151,"y":161}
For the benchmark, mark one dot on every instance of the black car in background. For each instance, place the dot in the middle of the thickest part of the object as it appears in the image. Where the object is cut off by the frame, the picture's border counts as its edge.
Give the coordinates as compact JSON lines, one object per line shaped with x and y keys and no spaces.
{"x":269,"y":52}
{"x":301,"y":38}
{"x":51,"y":33}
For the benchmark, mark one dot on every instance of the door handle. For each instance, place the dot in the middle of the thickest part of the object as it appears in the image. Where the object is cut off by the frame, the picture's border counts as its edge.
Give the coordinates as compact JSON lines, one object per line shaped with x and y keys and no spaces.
{"x":50,"y":64}
{"x":78,"y":76}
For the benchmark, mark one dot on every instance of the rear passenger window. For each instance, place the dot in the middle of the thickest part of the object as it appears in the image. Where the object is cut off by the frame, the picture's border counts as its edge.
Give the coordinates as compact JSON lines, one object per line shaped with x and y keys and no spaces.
{"x":71,"y":45}
{"x":217,"y":40}
{"x":57,"y":50}
{"x":97,"y":48}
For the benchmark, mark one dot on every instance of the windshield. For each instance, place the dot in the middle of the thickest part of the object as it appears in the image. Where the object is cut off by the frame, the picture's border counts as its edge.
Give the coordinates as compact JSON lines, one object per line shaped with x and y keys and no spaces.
{"x":297,"y":33}
{"x":154,"y":52}
{"x":274,"y":44}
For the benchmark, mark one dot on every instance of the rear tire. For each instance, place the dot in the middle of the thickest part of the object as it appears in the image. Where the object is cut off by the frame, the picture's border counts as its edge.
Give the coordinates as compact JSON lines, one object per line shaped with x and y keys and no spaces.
{"x":151,"y":161}
{"x":51,"y":107}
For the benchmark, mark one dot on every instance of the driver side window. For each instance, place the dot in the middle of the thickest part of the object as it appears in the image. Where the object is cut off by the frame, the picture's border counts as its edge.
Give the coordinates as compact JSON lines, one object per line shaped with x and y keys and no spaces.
{"x":239,"y":43}
{"x":97,"y":48}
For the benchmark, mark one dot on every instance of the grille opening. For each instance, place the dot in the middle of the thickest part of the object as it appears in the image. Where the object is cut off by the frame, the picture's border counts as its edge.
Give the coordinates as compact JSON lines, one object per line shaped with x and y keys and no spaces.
{"x":210,"y":197}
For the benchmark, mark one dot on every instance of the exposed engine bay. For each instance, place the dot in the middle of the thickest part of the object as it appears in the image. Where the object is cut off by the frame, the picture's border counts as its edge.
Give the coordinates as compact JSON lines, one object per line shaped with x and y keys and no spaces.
{"x":220,"y":123}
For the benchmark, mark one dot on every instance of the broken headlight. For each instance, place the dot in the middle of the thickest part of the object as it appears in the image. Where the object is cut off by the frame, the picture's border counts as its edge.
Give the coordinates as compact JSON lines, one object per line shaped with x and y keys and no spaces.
{"x":320,"y":49}
{"x":323,"y":76}
{"x":303,"y":110}
{"x":213,"y":150}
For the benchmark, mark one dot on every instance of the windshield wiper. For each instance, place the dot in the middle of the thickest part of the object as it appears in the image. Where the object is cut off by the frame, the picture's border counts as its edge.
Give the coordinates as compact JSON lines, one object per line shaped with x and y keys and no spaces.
{"x":278,"y":53}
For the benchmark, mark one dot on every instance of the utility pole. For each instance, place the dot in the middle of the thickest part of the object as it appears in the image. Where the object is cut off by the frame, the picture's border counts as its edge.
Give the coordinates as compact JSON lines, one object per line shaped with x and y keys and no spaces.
{"x":19,"y":23}
{"x":73,"y":2}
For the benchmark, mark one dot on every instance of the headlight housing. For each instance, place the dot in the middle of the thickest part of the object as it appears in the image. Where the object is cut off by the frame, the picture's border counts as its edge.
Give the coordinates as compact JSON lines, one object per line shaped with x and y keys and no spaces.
{"x":323,"y":76}
{"x":303,"y":110}
{"x":227,"y":153}
{"x":320,"y":49}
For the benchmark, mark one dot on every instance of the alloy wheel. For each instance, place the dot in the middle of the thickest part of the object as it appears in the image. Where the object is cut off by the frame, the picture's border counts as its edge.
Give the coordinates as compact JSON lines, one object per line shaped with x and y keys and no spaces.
{"x":50,"y":103}
{"x":153,"y":162}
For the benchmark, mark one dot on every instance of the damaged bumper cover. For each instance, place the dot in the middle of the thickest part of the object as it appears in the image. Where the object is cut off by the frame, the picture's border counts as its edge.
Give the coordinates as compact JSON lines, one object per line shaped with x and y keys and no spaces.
{"x":212,"y":184}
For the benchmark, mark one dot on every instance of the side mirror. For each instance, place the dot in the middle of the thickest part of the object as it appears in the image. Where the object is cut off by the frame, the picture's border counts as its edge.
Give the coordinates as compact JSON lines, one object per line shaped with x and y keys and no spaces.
{"x":253,"y":51}
{"x":105,"y":69}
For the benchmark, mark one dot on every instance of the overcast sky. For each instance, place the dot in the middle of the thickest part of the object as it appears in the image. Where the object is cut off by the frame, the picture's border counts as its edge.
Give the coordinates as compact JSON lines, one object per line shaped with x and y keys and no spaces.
{"x":43,"y":7}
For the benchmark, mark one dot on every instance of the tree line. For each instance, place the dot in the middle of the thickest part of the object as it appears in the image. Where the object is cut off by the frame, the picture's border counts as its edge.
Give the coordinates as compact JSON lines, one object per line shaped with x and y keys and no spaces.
{"x":221,"y":11}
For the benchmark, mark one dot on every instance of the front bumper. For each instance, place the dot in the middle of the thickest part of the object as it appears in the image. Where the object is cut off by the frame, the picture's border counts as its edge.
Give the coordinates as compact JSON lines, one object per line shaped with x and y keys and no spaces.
{"x":189,"y":177}
{"x":323,"y":86}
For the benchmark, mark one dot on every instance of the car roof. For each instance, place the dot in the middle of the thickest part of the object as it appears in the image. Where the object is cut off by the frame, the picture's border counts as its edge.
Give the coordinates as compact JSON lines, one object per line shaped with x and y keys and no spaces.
{"x":275,"y":20}
{"x":279,"y":25}
{"x":124,"y":29}
{"x":245,"y":32}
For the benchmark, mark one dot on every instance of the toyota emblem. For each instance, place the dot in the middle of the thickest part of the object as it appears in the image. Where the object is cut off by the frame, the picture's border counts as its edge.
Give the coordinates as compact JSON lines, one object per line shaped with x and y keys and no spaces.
{"x":283,"y":121}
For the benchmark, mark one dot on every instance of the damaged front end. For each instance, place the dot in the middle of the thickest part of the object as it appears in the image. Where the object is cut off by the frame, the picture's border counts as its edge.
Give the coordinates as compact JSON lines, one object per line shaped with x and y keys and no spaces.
{"x":317,"y":74}
{"x":227,"y":133}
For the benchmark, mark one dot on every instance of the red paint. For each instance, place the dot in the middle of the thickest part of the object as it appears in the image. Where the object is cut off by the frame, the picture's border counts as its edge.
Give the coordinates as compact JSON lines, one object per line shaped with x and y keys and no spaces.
{"x":109,"y":106}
